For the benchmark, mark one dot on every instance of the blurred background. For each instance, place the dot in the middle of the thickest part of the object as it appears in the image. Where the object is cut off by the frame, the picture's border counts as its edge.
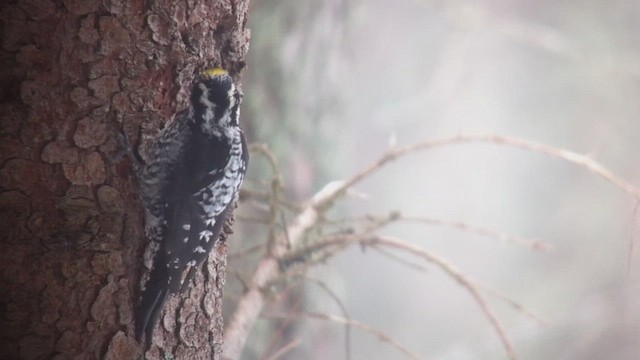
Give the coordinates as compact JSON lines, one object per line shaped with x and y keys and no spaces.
{"x":330,"y":83}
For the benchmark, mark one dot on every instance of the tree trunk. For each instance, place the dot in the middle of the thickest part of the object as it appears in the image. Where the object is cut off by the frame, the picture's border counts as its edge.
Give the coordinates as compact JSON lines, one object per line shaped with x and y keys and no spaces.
{"x":74,"y":74}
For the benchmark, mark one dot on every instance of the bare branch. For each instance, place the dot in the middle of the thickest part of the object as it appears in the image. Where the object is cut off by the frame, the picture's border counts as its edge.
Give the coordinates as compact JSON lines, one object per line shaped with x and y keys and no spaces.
{"x":572,"y":157}
{"x":356,"y":324}
{"x":252,"y":301}
{"x":264,"y":150}
{"x":399,"y":259}
{"x":316,"y":252}
{"x":343,"y":309}
{"x":275,"y":187}
{"x":286,"y":247}
{"x":457,"y":275}
{"x":341,"y":242}
{"x":293,"y":304}
{"x":634,"y":239}
{"x":285,"y":349}
{"x":533,"y":244}
{"x":265,"y":198}
{"x":515,"y":304}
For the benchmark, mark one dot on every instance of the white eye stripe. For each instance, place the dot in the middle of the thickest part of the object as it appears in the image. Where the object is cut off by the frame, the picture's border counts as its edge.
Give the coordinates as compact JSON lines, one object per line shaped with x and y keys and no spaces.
{"x":211,"y":118}
{"x":204,"y":98}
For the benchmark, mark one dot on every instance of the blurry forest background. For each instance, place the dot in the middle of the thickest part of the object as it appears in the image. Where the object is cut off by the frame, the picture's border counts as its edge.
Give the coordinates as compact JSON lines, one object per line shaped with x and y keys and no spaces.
{"x":330,"y":83}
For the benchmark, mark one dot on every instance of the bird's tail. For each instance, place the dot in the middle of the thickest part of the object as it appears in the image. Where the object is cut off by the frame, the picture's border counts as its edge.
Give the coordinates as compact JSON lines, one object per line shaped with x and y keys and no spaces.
{"x":152,"y":303}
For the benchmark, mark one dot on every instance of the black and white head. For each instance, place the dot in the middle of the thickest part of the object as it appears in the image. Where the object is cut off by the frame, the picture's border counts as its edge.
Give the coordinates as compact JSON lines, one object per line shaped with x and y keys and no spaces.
{"x":216,"y":100}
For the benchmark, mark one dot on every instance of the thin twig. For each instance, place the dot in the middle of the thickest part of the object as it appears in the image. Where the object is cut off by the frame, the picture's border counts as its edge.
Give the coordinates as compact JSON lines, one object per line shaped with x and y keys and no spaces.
{"x":356,"y":324}
{"x":343,"y":309}
{"x":514,"y":304}
{"x":275,"y":189}
{"x":285,"y":349}
{"x":265,"y":198}
{"x":264,"y":150}
{"x":310,"y":215}
{"x":285,"y":229}
{"x":268,"y":270}
{"x":444,"y":265}
{"x":318,"y":251}
{"x":554,"y":152}
{"x":398,"y":259}
{"x":296,"y":305}
{"x":533,"y":244}
{"x":274,"y":210}
{"x":634,"y":239}
{"x":457,"y":275}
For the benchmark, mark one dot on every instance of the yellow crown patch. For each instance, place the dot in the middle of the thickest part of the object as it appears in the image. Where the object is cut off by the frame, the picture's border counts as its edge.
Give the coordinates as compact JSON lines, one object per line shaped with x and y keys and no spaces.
{"x":214,"y":72}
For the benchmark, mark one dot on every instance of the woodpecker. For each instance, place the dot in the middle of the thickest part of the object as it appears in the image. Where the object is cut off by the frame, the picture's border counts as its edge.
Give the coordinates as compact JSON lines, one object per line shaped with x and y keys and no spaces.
{"x":189,"y":185}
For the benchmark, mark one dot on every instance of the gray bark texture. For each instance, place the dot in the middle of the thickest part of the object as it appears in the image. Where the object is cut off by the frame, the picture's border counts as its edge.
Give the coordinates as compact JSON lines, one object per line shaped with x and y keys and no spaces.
{"x":74,"y":74}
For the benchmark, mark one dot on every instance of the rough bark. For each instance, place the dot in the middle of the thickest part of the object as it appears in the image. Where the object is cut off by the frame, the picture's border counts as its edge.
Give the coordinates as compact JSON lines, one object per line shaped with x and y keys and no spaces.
{"x":74,"y":74}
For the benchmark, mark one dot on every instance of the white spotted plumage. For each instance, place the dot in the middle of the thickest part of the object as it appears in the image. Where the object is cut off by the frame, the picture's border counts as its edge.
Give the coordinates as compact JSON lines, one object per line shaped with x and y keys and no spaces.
{"x":195,"y":171}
